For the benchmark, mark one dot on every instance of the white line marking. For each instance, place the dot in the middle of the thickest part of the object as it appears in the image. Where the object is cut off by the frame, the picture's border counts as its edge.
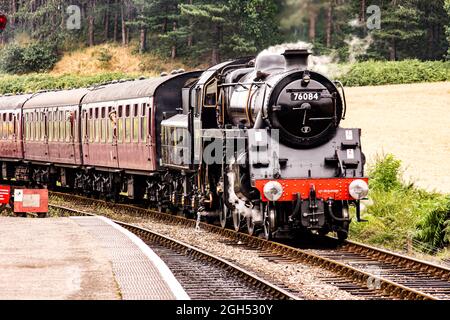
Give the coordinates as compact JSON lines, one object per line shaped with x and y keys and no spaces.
{"x":163,"y":269}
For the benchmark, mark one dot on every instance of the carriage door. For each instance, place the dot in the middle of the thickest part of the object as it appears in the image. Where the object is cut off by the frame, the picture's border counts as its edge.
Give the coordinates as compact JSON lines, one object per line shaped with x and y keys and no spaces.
{"x":44,"y":131}
{"x":147,"y":134}
{"x":16,"y":135}
{"x":85,"y":134}
{"x":111,"y":135}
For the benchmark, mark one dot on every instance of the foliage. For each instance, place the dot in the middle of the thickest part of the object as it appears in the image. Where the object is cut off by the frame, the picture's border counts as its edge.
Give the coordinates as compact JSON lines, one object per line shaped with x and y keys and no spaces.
{"x":207,"y":30}
{"x":434,"y":227}
{"x":395,"y":72}
{"x":37,"y":82}
{"x":104,"y":56}
{"x":385,"y":174}
{"x":447,"y":28}
{"x":398,"y":211}
{"x":35,"y":57}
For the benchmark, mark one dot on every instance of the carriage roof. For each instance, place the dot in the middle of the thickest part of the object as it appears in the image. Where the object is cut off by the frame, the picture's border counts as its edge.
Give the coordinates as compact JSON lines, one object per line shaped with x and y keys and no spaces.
{"x":62,"y":98}
{"x":13,"y":102}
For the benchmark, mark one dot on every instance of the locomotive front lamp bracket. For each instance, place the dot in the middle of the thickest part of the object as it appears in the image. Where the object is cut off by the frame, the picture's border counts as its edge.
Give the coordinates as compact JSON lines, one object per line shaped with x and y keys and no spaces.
{"x":358,"y":212}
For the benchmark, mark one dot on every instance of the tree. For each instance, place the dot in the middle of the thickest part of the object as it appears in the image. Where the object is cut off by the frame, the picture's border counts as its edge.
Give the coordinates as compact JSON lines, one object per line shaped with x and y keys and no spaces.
{"x":255,"y":25}
{"x":447,"y":8}
{"x":400,"y":26}
{"x":209,"y":21}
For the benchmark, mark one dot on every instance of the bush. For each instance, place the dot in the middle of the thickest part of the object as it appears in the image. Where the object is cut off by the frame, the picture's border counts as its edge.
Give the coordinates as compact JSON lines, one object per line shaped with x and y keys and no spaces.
{"x":385,"y":175}
{"x":372,"y":73}
{"x":35,"y":57}
{"x":434,"y":227}
{"x":104,"y":57}
{"x":400,"y":211}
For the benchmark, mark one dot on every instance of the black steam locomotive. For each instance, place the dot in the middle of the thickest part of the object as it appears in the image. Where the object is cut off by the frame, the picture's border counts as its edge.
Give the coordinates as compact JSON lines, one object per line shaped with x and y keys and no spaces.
{"x":254,"y":143}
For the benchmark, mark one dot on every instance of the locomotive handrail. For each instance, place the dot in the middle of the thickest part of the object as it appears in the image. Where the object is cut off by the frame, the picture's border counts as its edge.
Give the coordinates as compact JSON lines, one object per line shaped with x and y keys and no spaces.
{"x":255,"y":83}
{"x":343,"y":96}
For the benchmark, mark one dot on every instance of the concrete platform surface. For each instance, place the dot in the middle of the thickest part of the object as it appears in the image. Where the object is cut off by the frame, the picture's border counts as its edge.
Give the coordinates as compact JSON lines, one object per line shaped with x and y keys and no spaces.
{"x":52,"y":258}
{"x":80,"y":258}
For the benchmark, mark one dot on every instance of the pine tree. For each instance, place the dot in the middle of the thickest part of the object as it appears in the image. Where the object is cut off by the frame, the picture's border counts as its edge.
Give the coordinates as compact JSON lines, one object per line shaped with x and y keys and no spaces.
{"x":447,"y":8}
{"x":209,"y":21}
{"x":400,"y":26}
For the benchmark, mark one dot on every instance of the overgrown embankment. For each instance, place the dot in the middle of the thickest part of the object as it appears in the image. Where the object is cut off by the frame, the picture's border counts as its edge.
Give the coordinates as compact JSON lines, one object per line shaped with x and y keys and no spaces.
{"x":400,"y":214}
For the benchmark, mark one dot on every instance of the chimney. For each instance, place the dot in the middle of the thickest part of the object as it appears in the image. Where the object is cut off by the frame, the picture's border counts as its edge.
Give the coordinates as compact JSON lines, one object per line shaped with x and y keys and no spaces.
{"x":296,"y":59}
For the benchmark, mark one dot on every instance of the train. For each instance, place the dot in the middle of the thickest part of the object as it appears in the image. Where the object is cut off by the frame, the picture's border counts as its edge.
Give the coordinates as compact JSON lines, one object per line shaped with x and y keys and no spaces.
{"x":254,"y":144}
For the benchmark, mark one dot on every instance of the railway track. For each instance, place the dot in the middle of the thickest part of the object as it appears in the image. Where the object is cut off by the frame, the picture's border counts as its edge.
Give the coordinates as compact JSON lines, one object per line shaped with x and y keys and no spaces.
{"x":204,"y":276}
{"x":362,"y":270}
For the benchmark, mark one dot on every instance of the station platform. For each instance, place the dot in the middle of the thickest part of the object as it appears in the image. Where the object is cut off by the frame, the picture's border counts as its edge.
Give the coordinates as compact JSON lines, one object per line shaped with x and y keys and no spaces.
{"x":80,"y":258}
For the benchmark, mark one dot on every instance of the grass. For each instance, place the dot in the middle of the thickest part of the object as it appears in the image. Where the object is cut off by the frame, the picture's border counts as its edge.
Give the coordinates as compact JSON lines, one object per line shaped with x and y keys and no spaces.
{"x":399,"y":213}
{"x":113,"y":58}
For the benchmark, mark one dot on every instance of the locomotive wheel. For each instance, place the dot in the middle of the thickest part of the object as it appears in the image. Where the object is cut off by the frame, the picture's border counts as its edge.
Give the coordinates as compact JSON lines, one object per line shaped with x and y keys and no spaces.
{"x":342,"y":235}
{"x":236,"y":220}
{"x":267,"y":232}
{"x":224,"y":213}
{"x":269,"y":218}
{"x":250,"y":225}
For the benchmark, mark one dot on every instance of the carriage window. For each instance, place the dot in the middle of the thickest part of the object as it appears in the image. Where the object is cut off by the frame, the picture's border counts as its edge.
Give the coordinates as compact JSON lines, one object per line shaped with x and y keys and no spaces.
{"x":127,"y":130}
{"x":109,"y":126}
{"x":103,"y":125}
{"x":144,"y":126}
{"x":25,"y":133}
{"x":3,"y":124}
{"x":68,"y":126}
{"x":32,"y":126}
{"x":120,"y":125}
{"x":55,"y":126}
{"x":97,"y":125}
{"x":36,"y":126}
{"x":14,"y":120}
{"x":75,"y":125}
{"x":10,"y":127}
{"x":62,"y":127}
{"x":84,"y":127}
{"x":127,"y":124}
{"x":43,"y":126}
{"x":50,"y":126}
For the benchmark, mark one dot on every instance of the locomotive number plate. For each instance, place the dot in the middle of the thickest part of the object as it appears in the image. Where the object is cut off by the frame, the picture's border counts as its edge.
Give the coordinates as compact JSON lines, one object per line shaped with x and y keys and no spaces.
{"x":305,"y":96}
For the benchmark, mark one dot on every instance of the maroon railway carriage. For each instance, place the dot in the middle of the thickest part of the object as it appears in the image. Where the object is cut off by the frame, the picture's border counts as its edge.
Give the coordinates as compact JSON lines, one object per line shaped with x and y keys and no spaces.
{"x":51,"y":128}
{"x":120,"y":132}
{"x":51,"y":135}
{"x":11,"y":147}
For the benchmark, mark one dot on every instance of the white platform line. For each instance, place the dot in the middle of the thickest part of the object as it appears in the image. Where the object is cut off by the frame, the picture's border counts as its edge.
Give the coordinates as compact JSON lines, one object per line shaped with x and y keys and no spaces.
{"x":166,"y":274}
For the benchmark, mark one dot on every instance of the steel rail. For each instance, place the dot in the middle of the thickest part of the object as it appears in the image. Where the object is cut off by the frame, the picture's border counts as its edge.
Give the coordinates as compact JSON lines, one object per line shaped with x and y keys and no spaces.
{"x":387,"y":287}
{"x":196,"y":253}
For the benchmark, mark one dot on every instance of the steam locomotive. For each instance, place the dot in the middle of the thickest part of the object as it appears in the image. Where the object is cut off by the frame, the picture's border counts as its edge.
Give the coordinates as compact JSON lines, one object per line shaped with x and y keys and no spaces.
{"x":253,"y":143}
